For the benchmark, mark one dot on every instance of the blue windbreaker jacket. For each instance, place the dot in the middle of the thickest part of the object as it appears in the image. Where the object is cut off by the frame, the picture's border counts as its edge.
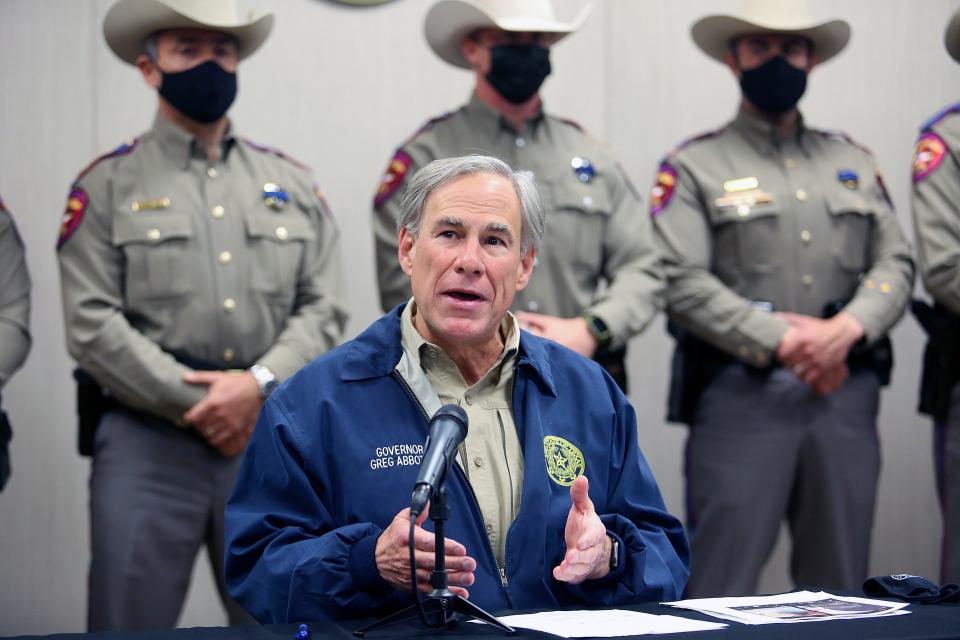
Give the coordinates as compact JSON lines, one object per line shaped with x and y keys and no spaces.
{"x":335,"y":455}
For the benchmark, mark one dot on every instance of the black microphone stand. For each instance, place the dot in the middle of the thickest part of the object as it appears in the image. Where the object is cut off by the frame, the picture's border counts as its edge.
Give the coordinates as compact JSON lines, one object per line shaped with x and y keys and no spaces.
{"x":441,"y":606}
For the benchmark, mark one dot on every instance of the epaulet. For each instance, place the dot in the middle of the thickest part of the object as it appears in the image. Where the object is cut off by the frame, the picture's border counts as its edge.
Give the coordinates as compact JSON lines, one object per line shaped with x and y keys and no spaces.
{"x":573,"y":123}
{"x":426,"y":126}
{"x":122,"y":150}
{"x":940,"y":115}
{"x":276,"y":153}
{"x":689,"y":142}
{"x":840,"y":136}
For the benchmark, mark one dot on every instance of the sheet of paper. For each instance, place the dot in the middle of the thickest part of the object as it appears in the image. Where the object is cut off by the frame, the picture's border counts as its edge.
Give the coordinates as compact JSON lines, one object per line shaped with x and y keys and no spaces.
{"x":610,"y":623}
{"x":798,"y":606}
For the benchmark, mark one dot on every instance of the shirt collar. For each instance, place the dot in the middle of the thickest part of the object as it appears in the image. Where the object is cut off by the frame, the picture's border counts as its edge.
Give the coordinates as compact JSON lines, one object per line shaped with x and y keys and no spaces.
{"x":492,"y":120}
{"x":763,"y":135}
{"x":179,"y":143}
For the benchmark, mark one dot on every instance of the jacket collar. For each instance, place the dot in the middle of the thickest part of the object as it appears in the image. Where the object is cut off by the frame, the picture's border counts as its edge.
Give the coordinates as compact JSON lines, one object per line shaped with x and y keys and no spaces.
{"x":376,"y":352}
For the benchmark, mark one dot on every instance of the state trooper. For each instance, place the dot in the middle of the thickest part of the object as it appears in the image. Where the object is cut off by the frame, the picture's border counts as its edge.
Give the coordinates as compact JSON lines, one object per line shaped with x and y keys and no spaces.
{"x":14,"y":321}
{"x":198,"y":270}
{"x":596,"y":230}
{"x":786,"y":268}
{"x":936,"y":218}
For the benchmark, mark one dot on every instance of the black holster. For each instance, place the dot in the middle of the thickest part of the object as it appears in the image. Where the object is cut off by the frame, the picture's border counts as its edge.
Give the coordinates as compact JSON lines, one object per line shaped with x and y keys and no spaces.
{"x":92,"y":403}
{"x":941,"y":358}
{"x":6,"y":435}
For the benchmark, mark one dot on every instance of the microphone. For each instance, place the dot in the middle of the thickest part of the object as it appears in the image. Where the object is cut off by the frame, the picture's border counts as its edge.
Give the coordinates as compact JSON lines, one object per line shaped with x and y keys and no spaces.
{"x":448,"y":429}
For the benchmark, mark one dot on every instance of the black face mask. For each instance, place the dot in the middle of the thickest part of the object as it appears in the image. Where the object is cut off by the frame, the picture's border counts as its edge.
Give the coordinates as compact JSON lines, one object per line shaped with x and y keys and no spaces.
{"x":518,"y":70}
{"x":775,"y":86}
{"x":202,"y":93}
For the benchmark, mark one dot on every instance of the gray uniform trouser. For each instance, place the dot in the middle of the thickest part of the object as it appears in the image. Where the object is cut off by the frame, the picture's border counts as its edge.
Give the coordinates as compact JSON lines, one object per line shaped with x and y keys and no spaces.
{"x":947,"y":457}
{"x":156,"y":496}
{"x":765,"y":448}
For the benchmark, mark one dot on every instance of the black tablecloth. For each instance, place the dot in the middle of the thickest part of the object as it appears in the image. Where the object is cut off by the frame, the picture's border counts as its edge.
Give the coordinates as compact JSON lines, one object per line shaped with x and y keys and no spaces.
{"x":926,"y":622}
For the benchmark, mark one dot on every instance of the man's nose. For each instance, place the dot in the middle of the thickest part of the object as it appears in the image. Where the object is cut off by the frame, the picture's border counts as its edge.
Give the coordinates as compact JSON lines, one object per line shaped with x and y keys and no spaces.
{"x":469,"y":259}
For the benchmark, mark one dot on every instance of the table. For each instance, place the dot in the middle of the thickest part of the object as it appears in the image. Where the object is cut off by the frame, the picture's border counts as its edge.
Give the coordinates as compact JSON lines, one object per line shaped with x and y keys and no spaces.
{"x":927,"y":622}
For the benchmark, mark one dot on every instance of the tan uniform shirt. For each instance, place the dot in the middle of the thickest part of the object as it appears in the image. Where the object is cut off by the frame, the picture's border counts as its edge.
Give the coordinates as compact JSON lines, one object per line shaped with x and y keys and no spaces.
{"x":936,"y":207}
{"x":751,"y":222}
{"x":491,"y":456}
{"x":596,"y":228}
{"x":14,"y":299}
{"x":165,"y":255}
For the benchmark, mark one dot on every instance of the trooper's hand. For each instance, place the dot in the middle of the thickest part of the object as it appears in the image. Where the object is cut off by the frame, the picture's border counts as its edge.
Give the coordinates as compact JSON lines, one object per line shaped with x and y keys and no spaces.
{"x":570,"y":332}
{"x":393,"y":556}
{"x":226,"y":415}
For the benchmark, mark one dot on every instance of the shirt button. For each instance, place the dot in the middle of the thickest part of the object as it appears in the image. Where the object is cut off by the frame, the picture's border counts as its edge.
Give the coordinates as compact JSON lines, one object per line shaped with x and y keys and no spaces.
{"x":468,"y":400}
{"x":587,"y":201}
{"x":805,"y":235}
{"x":744,"y":351}
{"x":228,"y":354}
{"x":743,"y":210}
{"x":225,"y":257}
{"x":885,"y":287}
{"x":229,"y":305}
{"x":153,"y":234}
{"x":282,"y":233}
{"x":761,"y":359}
{"x":790,"y":163}
{"x":478,"y":461}
{"x":801,"y":195}
{"x":807,"y":279}
{"x":533,"y":305}
{"x":217,"y":212}
{"x":521,"y":143}
{"x":212,"y":172}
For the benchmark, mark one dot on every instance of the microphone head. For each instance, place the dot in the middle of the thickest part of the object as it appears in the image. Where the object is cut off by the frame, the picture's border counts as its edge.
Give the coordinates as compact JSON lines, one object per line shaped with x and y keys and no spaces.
{"x":453,"y":413}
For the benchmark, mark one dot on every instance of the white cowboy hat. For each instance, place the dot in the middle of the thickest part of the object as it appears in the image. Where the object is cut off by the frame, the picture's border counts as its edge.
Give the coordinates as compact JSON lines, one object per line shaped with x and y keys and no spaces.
{"x":450,"y":21}
{"x":952,"y":37}
{"x":713,"y":34}
{"x":129,"y":22}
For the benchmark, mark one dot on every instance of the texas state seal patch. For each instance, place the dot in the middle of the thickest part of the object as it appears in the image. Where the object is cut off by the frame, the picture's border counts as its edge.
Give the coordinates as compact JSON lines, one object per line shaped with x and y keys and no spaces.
{"x":393,"y":177}
{"x":565,"y":462}
{"x":77,"y":203}
{"x":663,"y":188}
{"x":928,"y":155}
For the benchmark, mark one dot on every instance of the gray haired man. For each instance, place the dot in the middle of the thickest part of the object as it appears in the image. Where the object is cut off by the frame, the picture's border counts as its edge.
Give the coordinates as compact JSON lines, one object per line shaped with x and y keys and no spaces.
{"x":319,"y":504}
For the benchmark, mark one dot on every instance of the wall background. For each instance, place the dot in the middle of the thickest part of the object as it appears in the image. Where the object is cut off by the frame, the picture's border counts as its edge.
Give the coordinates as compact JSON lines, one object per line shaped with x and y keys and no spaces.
{"x":339,"y":88}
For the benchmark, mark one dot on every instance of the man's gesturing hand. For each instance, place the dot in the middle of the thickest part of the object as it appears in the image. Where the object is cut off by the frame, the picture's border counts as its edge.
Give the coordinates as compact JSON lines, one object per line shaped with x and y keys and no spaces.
{"x":588,"y":545}
{"x":393,"y":556}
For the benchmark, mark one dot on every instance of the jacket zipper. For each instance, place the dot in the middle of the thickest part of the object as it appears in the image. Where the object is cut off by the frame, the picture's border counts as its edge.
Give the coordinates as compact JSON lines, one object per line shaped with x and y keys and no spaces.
{"x":502,"y":570}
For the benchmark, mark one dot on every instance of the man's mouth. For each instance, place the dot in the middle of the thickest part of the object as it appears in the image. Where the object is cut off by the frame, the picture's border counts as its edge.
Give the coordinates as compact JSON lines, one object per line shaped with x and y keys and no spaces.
{"x":462,"y":295}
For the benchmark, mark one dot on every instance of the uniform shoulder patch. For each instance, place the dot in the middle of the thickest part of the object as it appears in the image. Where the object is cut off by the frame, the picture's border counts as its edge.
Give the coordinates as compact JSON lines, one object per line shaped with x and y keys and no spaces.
{"x":393,"y":177}
{"x":663,"y":187}
{"x":276,"y":153}
{"x":940,"y":115}
{"x":927,"y":155}
{"x":77,"y":203}
{"x":121,"y":150}
{"x":840,"y":136}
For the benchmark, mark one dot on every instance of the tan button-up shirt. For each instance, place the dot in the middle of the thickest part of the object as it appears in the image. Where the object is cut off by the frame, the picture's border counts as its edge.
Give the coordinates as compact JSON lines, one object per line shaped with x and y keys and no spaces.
{"x":597,"y":231}
{"x":750,"y":222}
{"x":165,"y":255}
{"x":14,"y":299}
{"x":936,"y":207}
{"x":491,"y":456}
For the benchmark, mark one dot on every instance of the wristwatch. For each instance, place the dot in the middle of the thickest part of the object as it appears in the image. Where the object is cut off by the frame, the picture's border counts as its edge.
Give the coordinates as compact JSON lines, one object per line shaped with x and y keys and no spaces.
{"x":266,"y":380}
{"x":598,"y":329}
{"x":614,"y":553}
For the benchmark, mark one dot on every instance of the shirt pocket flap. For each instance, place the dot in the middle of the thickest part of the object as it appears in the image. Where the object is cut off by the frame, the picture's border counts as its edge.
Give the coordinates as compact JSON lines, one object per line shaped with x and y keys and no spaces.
{"x":151,"y":228}
{"x":847,"y":203}
{"x":582,"y":197}
{"x":743,"y":213}
{"x":278,"y":227}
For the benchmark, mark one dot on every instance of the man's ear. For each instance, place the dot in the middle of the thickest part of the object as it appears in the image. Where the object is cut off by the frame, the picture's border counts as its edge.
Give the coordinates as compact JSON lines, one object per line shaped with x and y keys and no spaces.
{"x":151,"y":72}
{"x":406,"y":250}
{"x":525,"y":268}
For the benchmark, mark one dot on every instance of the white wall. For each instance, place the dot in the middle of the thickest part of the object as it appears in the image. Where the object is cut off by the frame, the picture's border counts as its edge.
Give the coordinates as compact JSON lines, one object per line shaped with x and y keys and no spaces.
{"x":339,"y":88}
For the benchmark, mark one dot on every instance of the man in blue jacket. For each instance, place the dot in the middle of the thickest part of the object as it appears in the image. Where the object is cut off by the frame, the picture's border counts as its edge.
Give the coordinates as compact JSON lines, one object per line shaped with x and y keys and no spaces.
{"x":316,"y":527}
